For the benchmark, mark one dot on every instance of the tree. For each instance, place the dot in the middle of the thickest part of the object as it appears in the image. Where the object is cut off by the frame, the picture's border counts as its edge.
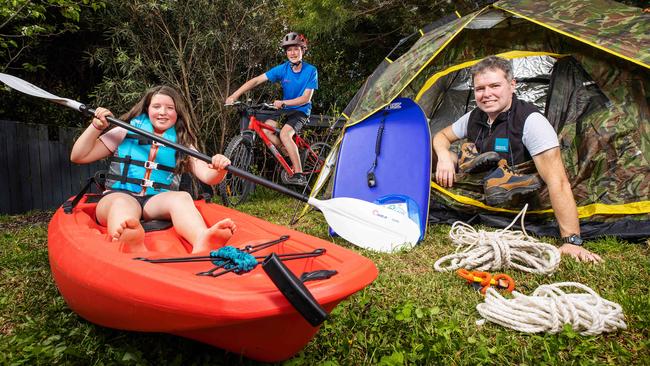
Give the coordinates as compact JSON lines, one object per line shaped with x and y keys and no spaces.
{"x":25,"y":23}
{"x":43,"y":41}
{"x":203,"y":48}
{"x":350,"y":38}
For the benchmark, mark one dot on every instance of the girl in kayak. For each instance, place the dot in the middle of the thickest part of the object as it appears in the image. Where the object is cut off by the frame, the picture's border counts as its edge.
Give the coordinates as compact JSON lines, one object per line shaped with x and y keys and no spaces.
{"x":144,"y":175}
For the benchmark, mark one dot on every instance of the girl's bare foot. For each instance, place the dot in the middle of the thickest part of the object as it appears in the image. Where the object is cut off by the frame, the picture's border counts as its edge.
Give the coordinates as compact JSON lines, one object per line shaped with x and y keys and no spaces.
{"x":215,"y":236}
{"x":130,"y":234}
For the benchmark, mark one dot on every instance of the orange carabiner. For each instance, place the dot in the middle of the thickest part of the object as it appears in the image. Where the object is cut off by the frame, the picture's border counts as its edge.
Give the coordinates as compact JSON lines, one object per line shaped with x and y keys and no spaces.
{"x":503,"y":281}
{"x":483,"y":278}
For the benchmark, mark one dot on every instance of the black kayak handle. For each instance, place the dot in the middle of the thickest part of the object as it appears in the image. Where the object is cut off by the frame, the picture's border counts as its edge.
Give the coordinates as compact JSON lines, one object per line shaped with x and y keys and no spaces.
{"x":294,"y":290}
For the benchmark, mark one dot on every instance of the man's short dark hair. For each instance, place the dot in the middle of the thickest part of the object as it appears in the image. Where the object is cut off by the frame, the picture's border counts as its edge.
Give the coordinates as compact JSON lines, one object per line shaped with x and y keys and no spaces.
{"x":491,"y":63}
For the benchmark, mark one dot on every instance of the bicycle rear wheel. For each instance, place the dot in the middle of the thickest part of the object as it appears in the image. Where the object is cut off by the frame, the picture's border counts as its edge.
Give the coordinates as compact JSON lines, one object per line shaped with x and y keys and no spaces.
{"x":313,"y":160}
{"x":233,"y":189}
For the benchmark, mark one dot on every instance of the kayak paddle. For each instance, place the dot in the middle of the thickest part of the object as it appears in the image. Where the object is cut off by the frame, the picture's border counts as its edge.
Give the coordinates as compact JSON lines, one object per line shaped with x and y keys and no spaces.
{"x":362,"y":223}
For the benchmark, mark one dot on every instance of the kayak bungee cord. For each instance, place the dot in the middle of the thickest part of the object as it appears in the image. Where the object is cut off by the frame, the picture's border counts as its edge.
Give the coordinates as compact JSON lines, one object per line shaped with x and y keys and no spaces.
{"x":242,"y":262}
{"x":248,"y":248}
{"x":233,"y":259}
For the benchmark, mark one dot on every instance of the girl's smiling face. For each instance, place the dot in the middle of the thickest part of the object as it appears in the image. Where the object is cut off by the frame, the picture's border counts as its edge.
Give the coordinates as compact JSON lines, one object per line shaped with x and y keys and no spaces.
{"x":162,"y":112}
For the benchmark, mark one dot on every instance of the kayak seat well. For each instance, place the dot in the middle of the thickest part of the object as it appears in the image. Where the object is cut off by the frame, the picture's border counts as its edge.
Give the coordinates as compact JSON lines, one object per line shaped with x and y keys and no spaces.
{"x":160,"y":236}
{"x":151,"y":225}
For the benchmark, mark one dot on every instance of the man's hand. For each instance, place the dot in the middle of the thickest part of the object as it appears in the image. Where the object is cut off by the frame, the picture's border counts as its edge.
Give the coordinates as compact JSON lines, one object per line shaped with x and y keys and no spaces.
{"x":445,"y":173}
{"x":579,"y":253}
{"x":446,"y":167}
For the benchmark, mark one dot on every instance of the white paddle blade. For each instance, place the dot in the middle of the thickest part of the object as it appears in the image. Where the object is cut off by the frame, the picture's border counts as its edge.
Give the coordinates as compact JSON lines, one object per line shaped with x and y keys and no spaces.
{"x":368,"y":225}
{"x":30,"y":89}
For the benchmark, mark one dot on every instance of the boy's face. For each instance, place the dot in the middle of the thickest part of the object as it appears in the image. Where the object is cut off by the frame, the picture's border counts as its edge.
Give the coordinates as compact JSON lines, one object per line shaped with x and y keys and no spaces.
{"x":294,"y":54}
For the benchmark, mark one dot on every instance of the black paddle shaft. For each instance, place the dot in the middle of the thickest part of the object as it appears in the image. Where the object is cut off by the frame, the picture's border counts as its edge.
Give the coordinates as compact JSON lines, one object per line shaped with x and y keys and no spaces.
{"x":234,"y":170}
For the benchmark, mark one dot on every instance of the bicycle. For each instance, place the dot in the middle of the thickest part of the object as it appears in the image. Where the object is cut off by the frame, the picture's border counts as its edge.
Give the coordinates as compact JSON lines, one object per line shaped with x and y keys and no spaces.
{"x":234,"y":190}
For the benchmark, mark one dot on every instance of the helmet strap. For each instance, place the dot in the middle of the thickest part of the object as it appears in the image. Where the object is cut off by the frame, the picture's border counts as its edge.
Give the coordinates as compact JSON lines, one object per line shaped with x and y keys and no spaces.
{"x":295,"y":64}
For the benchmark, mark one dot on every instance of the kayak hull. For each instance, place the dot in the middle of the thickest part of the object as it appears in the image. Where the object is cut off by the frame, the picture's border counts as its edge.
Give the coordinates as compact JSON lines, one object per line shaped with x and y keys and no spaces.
{"x":241,"y":313}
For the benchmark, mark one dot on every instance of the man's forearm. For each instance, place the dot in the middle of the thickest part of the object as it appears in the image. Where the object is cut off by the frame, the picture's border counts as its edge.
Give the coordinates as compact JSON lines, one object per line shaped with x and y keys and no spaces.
{"x":564,"y":207}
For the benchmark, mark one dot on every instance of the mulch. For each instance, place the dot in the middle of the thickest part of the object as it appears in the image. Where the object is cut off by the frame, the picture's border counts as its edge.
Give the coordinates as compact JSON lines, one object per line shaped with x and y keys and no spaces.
{"x":21,"y":221}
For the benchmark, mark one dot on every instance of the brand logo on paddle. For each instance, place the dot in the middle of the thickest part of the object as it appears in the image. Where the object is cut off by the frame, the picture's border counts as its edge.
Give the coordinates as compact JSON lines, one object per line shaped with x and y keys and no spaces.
{"x":379,"y":214}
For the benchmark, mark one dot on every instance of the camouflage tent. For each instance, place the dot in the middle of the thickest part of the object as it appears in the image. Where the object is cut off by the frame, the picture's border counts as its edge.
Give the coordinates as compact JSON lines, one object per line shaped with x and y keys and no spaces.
{"x":586,"y":63}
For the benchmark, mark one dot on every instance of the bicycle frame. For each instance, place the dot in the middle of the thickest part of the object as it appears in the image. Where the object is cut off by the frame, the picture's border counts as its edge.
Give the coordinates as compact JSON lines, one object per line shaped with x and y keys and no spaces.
{"x":258,"y":126}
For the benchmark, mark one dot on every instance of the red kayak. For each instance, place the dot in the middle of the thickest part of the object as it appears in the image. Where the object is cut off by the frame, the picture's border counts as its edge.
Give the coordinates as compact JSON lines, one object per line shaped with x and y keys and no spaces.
{"x":244,"y":313}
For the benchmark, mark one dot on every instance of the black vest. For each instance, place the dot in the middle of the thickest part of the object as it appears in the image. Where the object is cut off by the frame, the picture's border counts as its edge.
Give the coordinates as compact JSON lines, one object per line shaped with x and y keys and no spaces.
{"x":508,"y":125}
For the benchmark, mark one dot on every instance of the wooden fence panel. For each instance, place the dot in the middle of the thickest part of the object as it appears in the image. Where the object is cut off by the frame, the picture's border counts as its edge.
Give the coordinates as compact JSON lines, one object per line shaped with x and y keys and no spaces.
{"x":25,"y":196}
{"x":35,"y":167}
{"x":35,"y":183}
{"x":5,"y":201}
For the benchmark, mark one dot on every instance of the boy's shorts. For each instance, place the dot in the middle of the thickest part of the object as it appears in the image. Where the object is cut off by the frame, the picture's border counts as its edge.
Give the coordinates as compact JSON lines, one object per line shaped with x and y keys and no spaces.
{"x":294,"y":118}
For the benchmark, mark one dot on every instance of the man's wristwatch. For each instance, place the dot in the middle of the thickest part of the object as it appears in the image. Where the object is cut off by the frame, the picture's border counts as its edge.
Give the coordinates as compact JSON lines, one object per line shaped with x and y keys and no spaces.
{"x":574,"y":239}
{"x":284,"y":105}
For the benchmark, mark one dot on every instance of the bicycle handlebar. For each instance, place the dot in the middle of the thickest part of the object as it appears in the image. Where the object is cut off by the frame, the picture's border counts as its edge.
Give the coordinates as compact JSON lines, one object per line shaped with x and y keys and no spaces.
{"x":254,"y":106}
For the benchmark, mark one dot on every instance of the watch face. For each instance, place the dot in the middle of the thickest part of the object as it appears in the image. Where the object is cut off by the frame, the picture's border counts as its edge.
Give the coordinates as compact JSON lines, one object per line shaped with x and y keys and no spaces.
{"x":575,"y":239}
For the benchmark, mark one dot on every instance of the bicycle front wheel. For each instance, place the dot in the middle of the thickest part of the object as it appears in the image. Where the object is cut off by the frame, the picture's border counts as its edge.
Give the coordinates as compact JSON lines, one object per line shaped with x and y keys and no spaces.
{"x":233,"y":189}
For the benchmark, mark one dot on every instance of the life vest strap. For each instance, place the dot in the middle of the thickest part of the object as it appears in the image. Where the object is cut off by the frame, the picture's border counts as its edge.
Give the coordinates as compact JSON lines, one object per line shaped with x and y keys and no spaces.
{"x":142,"y":140}
{"x":146,"y":164}
{"x":141,"y":182}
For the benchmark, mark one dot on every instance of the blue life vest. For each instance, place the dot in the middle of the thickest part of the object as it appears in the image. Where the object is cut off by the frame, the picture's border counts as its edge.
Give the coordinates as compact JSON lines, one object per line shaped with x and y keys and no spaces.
{"x":130,"y":168}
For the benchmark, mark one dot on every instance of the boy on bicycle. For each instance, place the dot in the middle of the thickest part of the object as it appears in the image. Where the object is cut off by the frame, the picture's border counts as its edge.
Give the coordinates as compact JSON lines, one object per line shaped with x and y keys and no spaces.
{"x":299,"y":79}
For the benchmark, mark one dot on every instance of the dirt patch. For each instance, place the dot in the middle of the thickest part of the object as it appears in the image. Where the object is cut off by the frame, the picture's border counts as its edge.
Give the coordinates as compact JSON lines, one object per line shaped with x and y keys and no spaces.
{"x":22,"y":221}
{"x":6,"y":328}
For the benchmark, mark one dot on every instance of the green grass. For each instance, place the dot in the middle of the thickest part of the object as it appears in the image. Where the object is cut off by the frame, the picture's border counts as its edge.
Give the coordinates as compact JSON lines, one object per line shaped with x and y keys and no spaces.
{"x":409,"y":315}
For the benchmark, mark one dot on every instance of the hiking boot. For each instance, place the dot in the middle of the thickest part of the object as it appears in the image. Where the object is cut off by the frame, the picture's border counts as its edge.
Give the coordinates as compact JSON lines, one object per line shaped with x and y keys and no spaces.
{"x":503,"y":184}
{"x":471,"y":162}
{"x":298,"y":179}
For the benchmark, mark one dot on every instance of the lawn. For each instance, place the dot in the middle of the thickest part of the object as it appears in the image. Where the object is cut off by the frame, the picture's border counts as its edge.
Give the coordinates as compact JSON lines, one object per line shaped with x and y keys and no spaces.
{"x":410,"y":315}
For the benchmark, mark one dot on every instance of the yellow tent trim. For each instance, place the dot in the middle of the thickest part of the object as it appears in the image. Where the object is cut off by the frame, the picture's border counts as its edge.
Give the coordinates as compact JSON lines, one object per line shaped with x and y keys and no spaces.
{"x":345,"y":116}
{"x":638,"y":62}
{"x":507,"y":55}
{"x":457,"y":14}
{"x":421,"y":32}
{"x":633,"y":208}
{"x":442,"y":47}
{"x":388,"y":60}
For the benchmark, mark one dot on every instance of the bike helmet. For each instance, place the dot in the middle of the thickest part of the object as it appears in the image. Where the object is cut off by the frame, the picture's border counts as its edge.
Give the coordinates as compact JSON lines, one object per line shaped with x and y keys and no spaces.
{"x":294,"y":39}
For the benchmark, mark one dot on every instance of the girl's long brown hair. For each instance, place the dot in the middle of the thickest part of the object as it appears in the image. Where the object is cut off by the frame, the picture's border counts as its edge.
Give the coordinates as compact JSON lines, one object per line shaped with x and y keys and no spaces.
{"x":185,"y":134}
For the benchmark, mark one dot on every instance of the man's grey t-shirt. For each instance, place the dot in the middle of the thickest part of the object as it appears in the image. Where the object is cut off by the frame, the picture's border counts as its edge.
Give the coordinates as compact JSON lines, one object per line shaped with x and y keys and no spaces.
{"x":538,"y":135}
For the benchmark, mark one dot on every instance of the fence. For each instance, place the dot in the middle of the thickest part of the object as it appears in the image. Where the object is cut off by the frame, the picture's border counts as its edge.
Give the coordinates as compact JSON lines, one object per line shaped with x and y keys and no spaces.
{"x":35,"y":168}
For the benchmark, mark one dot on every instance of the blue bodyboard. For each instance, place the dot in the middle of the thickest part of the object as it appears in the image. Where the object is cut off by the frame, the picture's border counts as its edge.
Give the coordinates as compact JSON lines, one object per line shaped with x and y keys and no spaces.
{"x":403,"y":169}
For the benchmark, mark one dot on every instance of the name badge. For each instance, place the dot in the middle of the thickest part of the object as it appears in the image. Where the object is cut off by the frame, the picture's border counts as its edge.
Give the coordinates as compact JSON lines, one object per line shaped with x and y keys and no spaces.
{"x":501,"y":145}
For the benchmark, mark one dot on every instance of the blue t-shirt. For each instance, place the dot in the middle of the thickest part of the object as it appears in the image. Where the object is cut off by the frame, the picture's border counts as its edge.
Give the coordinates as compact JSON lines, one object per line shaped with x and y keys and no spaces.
{"x":293,"y":83}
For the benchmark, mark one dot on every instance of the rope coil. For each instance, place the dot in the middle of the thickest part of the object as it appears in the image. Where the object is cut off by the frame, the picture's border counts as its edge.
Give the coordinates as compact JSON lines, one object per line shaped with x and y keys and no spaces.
{"x":230,"y":257}
{"x":549,"y":308}
{"x":494,"y":250}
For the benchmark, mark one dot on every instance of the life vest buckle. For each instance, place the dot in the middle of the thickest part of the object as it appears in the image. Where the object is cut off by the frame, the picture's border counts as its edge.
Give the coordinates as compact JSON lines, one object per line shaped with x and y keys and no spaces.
{"x":147,"y":183}
{"x":150,"y":165}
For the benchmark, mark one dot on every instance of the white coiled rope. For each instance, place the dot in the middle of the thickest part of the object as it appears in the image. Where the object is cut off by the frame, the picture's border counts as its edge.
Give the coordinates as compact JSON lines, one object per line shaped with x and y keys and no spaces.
{"x":494,"y":250}
{"x":549,"y":308}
